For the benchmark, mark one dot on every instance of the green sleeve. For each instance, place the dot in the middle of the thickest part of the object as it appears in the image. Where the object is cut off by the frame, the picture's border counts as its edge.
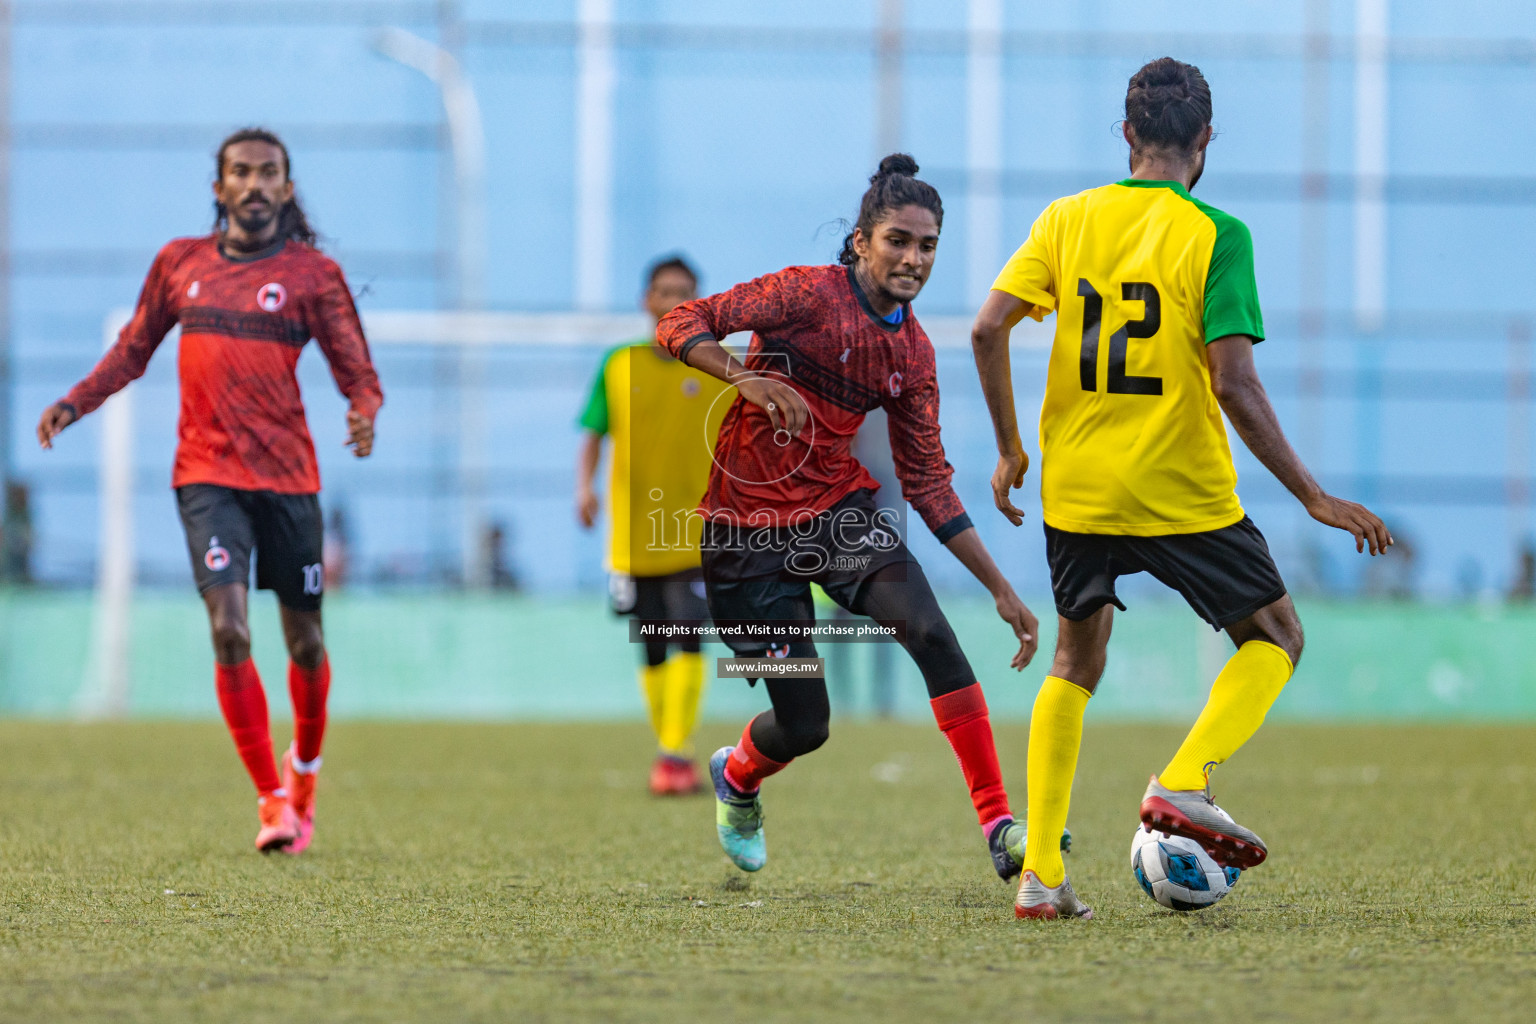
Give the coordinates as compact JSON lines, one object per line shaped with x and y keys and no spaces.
{"x":1231,"y":289}
{"x":595,"y":416}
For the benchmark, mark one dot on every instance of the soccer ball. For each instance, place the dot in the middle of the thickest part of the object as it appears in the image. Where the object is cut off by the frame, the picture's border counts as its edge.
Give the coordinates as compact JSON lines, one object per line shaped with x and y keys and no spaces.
{"x":1177,"y":872}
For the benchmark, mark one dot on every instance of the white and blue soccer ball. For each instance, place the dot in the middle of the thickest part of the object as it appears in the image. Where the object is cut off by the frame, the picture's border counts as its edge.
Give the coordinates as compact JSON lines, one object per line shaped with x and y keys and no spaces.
{"x":1177,"y":872}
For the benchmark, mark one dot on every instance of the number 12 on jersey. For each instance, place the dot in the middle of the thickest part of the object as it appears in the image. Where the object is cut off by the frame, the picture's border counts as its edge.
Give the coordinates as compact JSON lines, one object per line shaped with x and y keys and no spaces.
{"x":1120,"y":382}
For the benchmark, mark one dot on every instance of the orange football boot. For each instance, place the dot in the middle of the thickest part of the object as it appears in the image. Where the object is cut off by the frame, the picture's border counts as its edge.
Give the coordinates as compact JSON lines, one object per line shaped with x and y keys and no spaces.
{"x":685,"y":779}
{"x":661,"y":776}
{"x":279,"y":825}
{"x":301,"y":797}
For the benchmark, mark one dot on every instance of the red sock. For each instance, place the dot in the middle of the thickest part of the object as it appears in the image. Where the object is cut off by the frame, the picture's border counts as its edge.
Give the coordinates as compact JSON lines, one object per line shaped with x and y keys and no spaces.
{"x":308,"y":687}
{"x":244,"y":704}
{"x":747,"y":767}
{"x":962,"y":715}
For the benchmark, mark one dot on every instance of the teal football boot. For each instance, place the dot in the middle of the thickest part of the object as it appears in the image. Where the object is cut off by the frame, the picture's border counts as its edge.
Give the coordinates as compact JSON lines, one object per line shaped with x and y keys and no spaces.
{"x":738,"y":818}
{"x":1006,"y":844}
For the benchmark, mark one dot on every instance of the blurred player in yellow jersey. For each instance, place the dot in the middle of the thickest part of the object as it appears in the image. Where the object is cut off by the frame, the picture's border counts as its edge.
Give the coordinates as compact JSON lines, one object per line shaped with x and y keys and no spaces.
{"x":1157,"y":313}
{"x":662,"y":418}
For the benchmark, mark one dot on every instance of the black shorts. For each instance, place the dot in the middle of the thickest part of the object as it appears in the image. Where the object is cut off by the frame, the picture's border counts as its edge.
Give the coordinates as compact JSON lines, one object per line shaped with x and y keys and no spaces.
{"x":1226,"y":575}
{"x":225,"y":525}
{"x":678,"y":596}
{"x":765,"y":575}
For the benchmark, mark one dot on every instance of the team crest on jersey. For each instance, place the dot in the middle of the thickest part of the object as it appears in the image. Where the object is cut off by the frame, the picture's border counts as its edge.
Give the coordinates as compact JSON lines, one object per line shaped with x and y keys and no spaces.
{"x":216,"y":558}
{"x":193,"y":289}
{"x":690,"y":387}
{"x":271,"y":297}
{"x":895,"y":384}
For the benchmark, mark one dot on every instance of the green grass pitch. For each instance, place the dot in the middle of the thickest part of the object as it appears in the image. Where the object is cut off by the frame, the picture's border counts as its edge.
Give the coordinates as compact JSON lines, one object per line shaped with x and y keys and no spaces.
{"x":520,"y":872}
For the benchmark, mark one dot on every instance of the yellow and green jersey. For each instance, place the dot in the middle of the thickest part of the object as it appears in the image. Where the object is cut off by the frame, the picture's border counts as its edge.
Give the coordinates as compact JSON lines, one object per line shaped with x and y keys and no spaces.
{"x":1142,"y":276}
{"x":663,"y":417}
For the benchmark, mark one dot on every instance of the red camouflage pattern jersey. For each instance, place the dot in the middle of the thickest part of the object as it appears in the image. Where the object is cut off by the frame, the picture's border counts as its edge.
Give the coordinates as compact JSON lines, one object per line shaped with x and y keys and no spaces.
{"x":815,"y":327}
{"x":244,"y":323}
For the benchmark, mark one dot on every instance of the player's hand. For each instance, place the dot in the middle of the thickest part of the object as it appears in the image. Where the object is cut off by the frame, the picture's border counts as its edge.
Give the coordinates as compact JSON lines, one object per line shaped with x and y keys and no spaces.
{"x":786,"y":410}
{"x":1025,"y":626}
{"x":587,"y":506}
{"x":55,"y":418}
{"x":1354,"y":519}
{"x":1008,"y":475}
{"x":359,"y":433}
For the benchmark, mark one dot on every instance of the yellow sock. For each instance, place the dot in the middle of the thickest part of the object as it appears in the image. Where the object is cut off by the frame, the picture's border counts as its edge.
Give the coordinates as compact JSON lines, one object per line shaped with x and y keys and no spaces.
{"x":684,"y":689}
{"x":1055,"y":733}
{"x":1240,"y":697}
{"x":653,"y":684}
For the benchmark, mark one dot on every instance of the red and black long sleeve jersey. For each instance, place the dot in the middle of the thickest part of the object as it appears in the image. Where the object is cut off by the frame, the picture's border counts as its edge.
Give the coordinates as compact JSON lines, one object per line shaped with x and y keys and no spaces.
{"x":814,"y":328}
{"x":243,"y":324}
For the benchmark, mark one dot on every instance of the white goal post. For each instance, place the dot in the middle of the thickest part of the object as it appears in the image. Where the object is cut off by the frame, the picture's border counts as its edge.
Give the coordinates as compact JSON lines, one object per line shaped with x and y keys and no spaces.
{"x":108,"y":675}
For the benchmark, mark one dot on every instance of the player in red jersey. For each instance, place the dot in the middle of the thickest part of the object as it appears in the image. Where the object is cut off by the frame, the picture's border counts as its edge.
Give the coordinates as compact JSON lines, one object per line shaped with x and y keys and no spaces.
{"x":789,"y":505}
{"x":248,"y":297}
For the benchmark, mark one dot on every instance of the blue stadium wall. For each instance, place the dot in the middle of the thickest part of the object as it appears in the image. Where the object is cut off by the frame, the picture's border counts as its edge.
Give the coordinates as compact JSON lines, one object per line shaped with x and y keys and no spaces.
{"x":743,"y":131}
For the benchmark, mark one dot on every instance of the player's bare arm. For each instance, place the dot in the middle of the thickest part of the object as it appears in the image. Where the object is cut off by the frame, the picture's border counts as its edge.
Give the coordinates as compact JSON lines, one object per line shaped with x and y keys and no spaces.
{"x":989,"y":344}
{"x":55,"y":418}
{"x":785,"y":408}
{"x":1235,"y":381}
{"x":973,"y":554}
{"x":587,"y":457}
{"x":359,"y":433}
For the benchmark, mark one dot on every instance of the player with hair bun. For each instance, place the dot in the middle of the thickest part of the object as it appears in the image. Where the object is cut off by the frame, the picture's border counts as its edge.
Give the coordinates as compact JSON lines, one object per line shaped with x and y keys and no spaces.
{"x":1157,"y":313}
{"x":789,"y":505}
{"x":249,"y":296}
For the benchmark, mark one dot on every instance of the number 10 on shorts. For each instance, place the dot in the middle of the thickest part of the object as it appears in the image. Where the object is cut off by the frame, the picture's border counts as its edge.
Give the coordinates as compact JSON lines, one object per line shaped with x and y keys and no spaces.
{"x":314,"y":579}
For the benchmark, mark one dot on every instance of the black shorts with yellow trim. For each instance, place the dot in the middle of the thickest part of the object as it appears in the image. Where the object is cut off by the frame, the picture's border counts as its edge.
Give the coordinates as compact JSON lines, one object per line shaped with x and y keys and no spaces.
{"x":1226,"y":575}
{"x":675,"y":596}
